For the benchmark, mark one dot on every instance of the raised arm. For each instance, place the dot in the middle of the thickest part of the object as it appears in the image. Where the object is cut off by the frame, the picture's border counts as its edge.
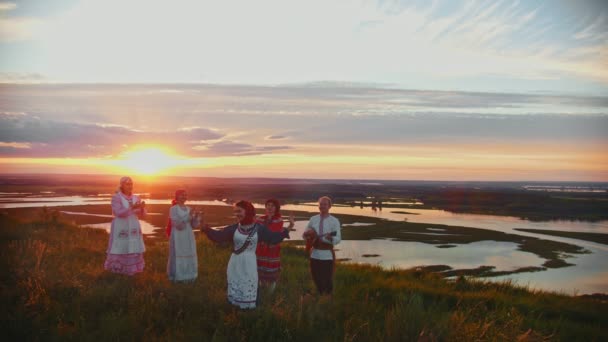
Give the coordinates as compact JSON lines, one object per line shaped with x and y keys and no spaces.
{"x":271,"y":237}
{"x":195,"y":220}
{"x":223,"y":235}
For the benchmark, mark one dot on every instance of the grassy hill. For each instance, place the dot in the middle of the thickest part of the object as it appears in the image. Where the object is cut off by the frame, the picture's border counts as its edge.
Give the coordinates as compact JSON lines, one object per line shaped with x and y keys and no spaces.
{"x":54,"y":288}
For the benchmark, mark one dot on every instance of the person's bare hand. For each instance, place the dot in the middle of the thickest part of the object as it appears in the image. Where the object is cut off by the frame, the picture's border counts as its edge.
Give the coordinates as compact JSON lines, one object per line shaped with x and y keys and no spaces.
{"x":292,"y":221}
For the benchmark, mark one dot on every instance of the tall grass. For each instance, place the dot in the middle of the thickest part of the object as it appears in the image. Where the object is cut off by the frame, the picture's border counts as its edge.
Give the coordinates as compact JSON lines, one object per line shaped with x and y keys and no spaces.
{"x":54,"y":288}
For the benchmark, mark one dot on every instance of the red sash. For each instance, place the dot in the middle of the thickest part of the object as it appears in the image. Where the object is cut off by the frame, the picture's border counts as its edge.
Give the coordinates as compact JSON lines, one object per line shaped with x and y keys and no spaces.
{"x":313,"y":241}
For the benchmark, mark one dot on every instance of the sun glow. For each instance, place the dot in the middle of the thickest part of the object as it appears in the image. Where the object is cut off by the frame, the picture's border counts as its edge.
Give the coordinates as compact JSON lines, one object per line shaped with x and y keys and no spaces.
{"x":149,"y":160}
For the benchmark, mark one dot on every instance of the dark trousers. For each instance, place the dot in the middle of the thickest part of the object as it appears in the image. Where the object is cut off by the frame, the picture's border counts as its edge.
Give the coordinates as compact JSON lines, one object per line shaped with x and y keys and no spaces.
{"x":323,"y":275}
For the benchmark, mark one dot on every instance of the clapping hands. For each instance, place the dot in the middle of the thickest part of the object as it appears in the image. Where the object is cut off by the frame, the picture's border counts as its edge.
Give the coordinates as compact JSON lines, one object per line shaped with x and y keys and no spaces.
{"x":196,"y":212}
{"x":139,"y":205}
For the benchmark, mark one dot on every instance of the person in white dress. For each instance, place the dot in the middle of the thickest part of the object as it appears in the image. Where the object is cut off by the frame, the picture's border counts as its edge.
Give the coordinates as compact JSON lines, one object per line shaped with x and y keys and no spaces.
{"x":242,"y":269}
{"x":125,"y":253}
{"x":182,"y":265}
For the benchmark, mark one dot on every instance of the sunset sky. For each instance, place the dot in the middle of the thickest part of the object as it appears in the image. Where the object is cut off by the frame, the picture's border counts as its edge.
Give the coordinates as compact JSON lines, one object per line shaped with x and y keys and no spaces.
{"x":434,"y":90}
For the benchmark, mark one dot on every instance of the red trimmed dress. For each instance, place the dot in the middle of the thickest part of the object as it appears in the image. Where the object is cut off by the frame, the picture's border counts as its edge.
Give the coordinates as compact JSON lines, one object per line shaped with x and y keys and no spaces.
{"x":125,"y":253}
{"x":269,"y":256}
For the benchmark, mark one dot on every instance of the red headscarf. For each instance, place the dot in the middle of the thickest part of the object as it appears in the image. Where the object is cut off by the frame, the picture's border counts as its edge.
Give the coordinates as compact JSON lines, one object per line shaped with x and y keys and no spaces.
{"x":249,"y":212}
{"x":275,"y":223}
{"x":173,"y":202}
{"x":277,"y":205}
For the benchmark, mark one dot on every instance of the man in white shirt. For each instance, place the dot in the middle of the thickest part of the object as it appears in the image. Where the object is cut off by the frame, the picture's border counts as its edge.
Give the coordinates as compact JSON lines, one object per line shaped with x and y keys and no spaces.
{"x":322,"y":234}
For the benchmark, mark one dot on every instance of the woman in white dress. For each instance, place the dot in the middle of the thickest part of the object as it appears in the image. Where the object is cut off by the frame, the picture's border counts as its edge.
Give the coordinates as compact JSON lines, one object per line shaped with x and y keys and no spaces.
{"x":125,"y":253}
{"x":242,"y":269}
{"x":182,"y":265}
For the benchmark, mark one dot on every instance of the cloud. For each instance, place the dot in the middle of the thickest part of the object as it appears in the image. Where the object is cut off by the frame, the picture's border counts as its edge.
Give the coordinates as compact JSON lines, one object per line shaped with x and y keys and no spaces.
{"x":20,"y":77}
{"x":27,"y":136}
{"x":444,"y":129}
{"x":231,"y":148}
{"x":211,"y":120}
{"x":470,"y":42}
{"x":139,"y":106}
{"x":7,"y":6}
{"x":276,"y":137}
{"x":15,"y":145}
{"x":15,"y":29}
{"x":594,"y":31}
{"x":48,"y":138}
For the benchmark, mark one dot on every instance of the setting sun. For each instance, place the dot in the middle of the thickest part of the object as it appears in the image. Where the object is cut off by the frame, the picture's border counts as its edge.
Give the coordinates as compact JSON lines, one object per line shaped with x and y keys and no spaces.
{"x":148,"y":160}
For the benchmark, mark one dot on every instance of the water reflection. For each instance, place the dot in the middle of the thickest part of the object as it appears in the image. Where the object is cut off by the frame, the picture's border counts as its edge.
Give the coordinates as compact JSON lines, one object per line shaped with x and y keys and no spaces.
{"x":146,"y":228}
{"x":588,"y":276}
{"x":503,"y":255}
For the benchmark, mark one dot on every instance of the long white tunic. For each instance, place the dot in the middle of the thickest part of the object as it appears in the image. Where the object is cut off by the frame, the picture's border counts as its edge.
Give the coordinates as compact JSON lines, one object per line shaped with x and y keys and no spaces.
{"x":125,"y":234}
{"x":183,"y":263}
{"x":243,"y":272}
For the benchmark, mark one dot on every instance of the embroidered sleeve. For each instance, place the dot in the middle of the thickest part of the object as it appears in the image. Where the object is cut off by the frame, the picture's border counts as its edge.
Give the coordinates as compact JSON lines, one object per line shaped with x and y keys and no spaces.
{"x":271,"y":237}
{"x":223,"y":235}
{"x":118,"y":209}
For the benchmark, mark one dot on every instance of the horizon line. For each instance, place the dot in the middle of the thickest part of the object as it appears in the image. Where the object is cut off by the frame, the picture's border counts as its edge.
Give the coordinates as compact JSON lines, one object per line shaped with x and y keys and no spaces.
{"x":308,"y":179}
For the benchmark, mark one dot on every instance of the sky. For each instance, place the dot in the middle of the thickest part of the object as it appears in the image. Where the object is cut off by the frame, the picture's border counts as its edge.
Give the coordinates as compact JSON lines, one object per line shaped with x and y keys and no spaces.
{"x":433,"y":90}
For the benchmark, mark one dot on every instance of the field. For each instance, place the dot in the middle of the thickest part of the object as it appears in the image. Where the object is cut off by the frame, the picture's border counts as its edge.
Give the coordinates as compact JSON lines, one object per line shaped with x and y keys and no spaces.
{"x":54,"y":288}
{"x":441,"y":236}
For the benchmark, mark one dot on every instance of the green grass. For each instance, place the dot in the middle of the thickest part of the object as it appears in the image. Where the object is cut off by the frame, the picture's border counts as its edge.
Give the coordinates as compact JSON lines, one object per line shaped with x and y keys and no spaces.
{"x":54,"y":288}
{"x":555,"y":253}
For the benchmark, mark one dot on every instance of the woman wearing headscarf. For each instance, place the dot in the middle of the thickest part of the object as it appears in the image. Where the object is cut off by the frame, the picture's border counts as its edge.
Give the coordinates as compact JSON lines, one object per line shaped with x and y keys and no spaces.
{"x":242,"y":269}
{"x":269,"y":255}
{"x":182,"y":265}
{"x":125,"y":253}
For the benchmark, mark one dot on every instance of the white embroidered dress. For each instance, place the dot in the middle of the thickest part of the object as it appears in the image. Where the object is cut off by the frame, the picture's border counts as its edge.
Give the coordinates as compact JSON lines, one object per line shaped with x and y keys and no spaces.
{"x":126,"y":245}
{"x":183,"y":263}
{"x":243,"y":270}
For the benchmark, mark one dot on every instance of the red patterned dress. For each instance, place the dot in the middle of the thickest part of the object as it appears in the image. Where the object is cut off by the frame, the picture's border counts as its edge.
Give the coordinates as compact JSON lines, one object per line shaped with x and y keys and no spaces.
{"x":269,"y":256}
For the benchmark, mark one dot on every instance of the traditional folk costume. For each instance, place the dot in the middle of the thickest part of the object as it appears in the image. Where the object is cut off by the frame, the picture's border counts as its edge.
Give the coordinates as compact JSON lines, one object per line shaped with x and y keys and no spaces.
{"x":242,"y":268}
{"x":182,"y":265}
{"x":125,"y":253}
{"x":269,"y":255}
{"x":322,"y":255}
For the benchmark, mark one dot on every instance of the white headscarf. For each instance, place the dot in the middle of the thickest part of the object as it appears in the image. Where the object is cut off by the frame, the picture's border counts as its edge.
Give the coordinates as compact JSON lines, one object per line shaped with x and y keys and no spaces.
{"x":123,"y":180}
